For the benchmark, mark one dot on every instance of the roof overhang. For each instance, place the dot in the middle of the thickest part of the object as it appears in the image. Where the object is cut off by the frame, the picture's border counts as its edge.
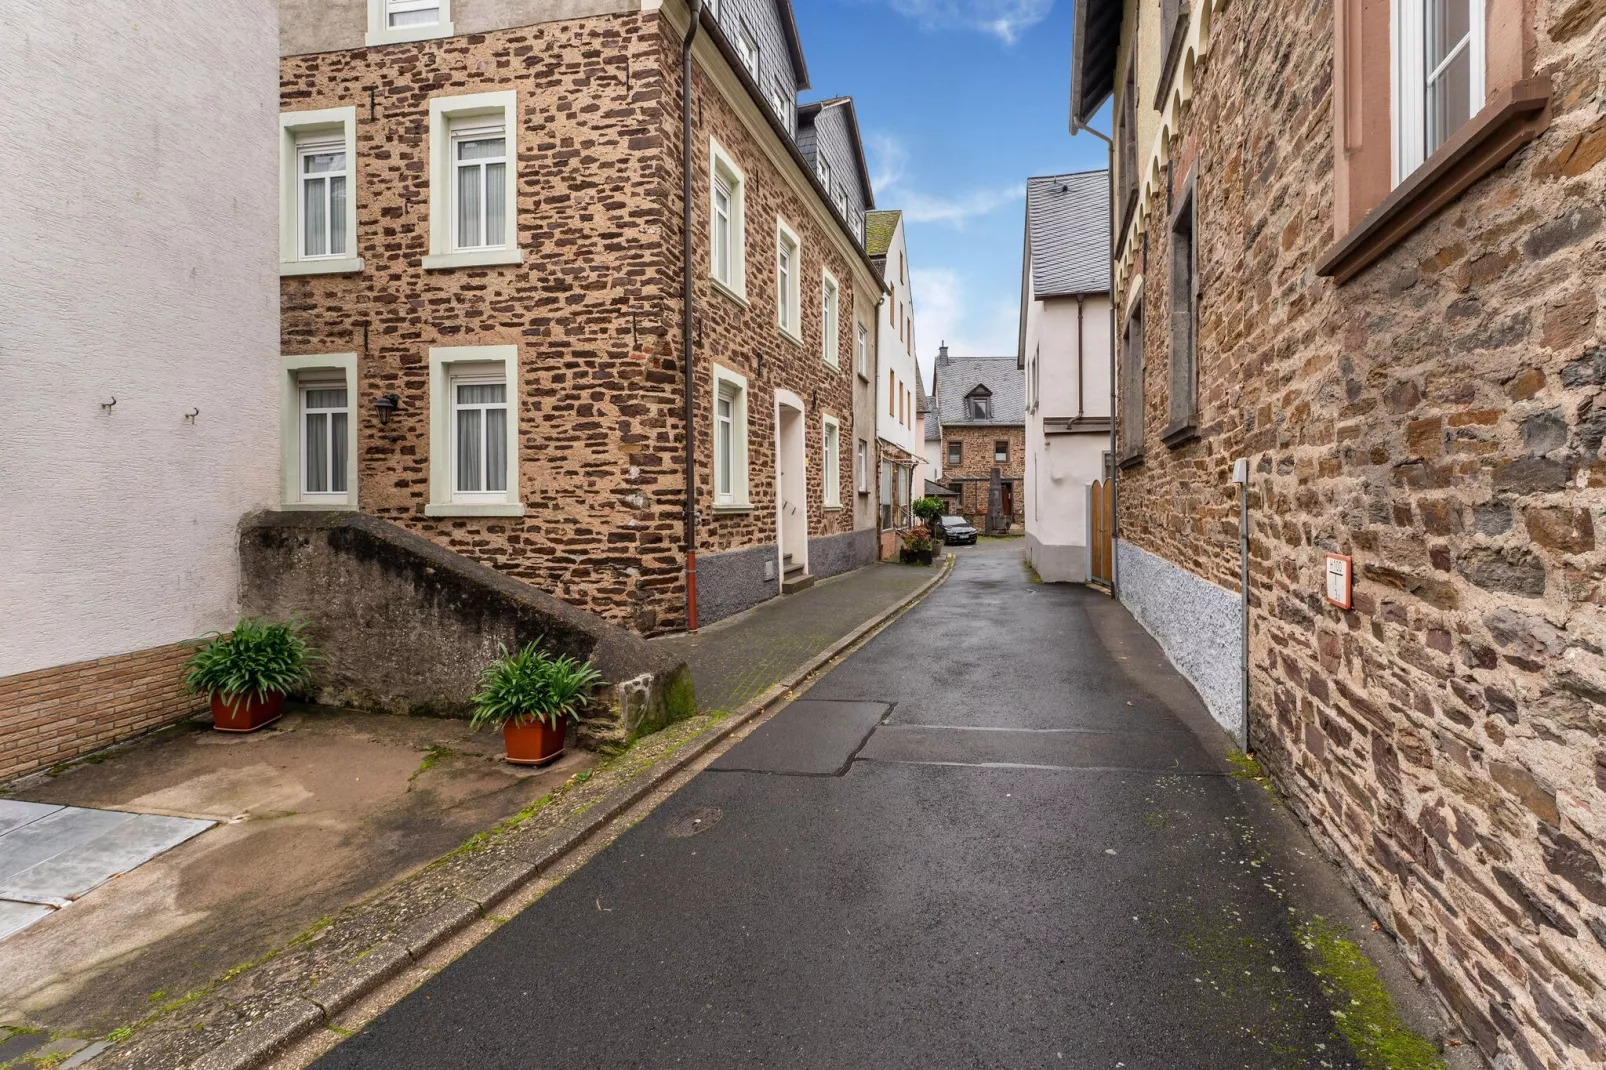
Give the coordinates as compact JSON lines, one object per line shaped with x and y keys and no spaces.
{"x":1097,"y":38}
{"x":794,"y":44}
{"x":813,"y":109}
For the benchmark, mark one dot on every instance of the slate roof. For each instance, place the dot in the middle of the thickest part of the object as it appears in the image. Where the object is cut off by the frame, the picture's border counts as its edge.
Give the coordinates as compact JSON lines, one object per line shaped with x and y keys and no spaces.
{"x":1068,"y":228}
{"x":808,"y":112}
{"x":878,"y":230}
{"x":1002,"y":376}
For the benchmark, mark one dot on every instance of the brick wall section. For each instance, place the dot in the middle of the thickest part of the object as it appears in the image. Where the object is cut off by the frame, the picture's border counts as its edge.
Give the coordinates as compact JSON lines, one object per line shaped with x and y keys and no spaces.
{"x":1440,"y":417}
{"x":973,"y":477}
{"x":54,"y":715}
{"x":595,"y":307}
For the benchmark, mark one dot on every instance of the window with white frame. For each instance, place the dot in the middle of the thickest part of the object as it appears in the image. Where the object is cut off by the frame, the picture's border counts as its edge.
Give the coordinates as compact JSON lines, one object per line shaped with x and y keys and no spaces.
{"x":747,"y":49}
{"x":397,"y":21}
{"x":727,"y":222}
{"x":479,"y":186}
{"x":889,"y":512}
{"x":822,"y":167}
{"x":861,"y":467}
{"x":318,"y":209}
{"x":830,"y":302}
{"x":325,"y":421}
{"x":858,"y":226}
{"x":788,"y":285}
{"x":318,"y":432}
{"x":473,"y":213}
{"x":1438,"y":75}
{"x":831,"y":458}
{"x":781,"y":101}
{"x":861,"y":352}
{"x":479,"y":436}
{"x":842,"y":201}
{"x":730,"y":439}
{"x":473,"y":450}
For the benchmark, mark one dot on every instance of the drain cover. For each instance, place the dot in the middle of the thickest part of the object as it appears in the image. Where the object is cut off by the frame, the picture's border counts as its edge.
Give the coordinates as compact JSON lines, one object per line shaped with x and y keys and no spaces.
{"x":696,"y":821}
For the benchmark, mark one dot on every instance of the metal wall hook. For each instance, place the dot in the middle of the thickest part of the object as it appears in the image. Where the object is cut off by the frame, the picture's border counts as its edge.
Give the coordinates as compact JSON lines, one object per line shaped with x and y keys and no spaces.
{"x":190,"y":416}
{"x":106,"y":406}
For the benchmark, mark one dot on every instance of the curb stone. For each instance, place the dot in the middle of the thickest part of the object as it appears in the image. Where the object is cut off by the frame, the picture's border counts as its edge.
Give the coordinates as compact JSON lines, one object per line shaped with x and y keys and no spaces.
{"x":272,"y":1034}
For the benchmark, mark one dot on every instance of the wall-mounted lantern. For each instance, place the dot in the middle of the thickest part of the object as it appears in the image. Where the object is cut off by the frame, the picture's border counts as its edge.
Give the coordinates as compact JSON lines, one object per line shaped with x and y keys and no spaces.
{"x":385,"y":405}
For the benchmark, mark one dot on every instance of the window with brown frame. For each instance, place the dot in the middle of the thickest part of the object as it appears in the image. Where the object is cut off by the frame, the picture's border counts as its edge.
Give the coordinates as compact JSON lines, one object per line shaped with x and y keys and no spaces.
{"x":956,"y":453}
{"x":1183,"y":370}
{"x":1132,"y":387}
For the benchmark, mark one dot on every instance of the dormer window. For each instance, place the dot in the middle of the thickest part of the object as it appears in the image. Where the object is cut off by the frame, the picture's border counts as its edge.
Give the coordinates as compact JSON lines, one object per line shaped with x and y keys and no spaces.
{"x":979,"y":404}
{"x":747,"y":49}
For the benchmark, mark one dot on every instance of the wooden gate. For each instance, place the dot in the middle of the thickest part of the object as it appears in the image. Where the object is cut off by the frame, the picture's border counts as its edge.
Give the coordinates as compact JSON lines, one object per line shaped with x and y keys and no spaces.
{"x":1101,"y":531}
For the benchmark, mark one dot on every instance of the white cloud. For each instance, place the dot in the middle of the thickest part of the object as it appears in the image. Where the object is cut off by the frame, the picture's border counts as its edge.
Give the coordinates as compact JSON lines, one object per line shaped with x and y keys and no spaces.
{"x":947,"y":310}
{"x":889,"y":172}
{"x":1004,"y":19}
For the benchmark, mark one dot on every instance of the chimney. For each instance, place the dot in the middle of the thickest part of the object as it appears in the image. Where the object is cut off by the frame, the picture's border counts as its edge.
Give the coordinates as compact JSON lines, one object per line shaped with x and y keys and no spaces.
{"x":942,"y":354}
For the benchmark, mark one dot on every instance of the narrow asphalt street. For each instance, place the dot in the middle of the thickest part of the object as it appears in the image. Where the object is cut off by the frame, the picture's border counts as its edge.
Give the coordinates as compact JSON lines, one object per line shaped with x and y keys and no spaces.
{"x":987,"y":839}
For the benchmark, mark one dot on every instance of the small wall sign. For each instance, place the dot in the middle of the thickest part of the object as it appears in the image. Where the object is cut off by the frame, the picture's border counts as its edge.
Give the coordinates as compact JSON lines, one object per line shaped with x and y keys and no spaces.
{"x":1340,"y":580}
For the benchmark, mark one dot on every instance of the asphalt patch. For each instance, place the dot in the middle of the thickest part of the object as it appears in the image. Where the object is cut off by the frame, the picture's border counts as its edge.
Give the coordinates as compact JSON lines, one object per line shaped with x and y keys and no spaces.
{"x":1160,"y":752}
{"x":808,"y":738}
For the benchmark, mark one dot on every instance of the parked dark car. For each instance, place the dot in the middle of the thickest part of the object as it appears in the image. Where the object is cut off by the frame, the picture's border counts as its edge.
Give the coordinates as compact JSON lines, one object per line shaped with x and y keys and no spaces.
{"x":956,"y":531}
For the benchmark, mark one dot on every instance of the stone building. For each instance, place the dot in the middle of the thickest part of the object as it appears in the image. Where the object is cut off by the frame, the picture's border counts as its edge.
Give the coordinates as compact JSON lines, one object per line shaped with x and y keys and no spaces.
{"x":981,"y":410}
{"x":1388,"y":302}
{"x":482,"y":295}
{"x":1065,"y":354}
{"x":140,"y":335}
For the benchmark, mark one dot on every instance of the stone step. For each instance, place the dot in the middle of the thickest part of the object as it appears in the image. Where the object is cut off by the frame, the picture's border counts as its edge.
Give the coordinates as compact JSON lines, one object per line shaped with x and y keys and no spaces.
{"x":793,"y":585}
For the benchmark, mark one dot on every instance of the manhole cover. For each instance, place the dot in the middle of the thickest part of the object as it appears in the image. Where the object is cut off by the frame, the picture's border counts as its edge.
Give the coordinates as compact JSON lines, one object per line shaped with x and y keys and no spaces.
{"x":697,"y":821}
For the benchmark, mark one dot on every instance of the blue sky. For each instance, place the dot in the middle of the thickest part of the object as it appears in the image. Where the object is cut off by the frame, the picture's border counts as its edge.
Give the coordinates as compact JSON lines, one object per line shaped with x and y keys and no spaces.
{"x":960,"y":102}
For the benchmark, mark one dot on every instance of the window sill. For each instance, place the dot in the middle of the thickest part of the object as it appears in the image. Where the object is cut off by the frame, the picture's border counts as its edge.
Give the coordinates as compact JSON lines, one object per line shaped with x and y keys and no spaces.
{"x":1513,"y":117}
{"x":344,"y":266}
{"x":734,"y":295}
{"x":732,"y":510}
{"x":795,"y":339}
{"x":471,"y":509}
{"x":318,"y":507}
{"x":407,"y":35}
{"x":833,"y":509}
{"x":481,"y":258}
{"x":1181,"y":432}
{"x":1131,"y":460}
{"x":833,"y":365}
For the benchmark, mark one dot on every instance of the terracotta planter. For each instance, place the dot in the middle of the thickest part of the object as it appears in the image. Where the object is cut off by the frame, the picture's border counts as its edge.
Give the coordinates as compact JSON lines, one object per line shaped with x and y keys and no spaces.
{"x":534,"y":742}
{"x":247,"y":713}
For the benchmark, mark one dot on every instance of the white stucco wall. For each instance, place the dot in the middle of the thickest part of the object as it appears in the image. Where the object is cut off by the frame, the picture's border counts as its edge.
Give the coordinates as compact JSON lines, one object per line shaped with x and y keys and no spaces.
{"x":138,"y":259}
{"x":896,"y":354}
{"x":1060,"y":467}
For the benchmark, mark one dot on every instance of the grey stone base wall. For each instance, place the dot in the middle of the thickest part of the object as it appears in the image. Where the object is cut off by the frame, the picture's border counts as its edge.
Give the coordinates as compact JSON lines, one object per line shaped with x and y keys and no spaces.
{"x":1057,"y":563}
{"x":731,"y":582}
{"x":832,"y":555}
{"x":1196,"y":623}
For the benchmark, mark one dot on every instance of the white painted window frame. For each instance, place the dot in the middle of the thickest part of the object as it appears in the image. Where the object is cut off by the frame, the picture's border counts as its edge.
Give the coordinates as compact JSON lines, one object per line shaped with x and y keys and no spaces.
{"x":831,"y":460}
{"x":721,"y":168}
{"x":830,"y":320}
{"x":734,"y":383}
{"x":306,"y":384}
{"x":327,"y":126}
{"x":484,"y":408}
{"x":381,"y":33}
{"x":861,"y":468}
{"x":861,"y":354}
{"x":1408,"y":33}
{"x":467,"y":111}
{"x":311,"y":146}
{"x":789,"y":293}
{"x":747,"y":49}
{"x":462,"y":132}
{"x":781,"y":103}
{"x":446,"y":364}
{"x":324,"y":368}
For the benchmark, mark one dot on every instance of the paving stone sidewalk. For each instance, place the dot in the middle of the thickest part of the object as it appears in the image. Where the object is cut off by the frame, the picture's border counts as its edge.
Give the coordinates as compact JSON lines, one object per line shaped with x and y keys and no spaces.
{"x":738,"y":659}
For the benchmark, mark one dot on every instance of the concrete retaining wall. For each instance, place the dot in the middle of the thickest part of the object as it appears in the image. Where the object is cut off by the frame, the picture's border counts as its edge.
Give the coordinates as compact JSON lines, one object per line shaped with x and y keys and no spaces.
{"x":1196,"y":623}
{"x":832,"y":555}
{"x":408,"y":626}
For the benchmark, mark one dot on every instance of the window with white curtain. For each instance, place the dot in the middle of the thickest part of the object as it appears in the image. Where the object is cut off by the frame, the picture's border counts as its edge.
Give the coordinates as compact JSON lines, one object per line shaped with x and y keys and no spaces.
{"x":1438,"y":75}
{"x":831,"y":457}
{"x":730,"y":439}
{"x":727,"y":222}
{"x":473,"y":170}
{"x":403,"y":13}
{"x":479,"y":187}
{"x":325,"y":416}
{"x":830,"y":299}
{"x":788,"y":267}
{"x":479,"y":438}
{"x":321,"y":171}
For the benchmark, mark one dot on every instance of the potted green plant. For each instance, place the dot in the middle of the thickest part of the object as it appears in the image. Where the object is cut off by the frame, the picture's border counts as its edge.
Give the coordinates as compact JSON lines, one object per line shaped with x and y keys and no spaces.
{"x":530,"y":696}
{"x":928,"y":510}
{"x":248,"y":672}
{"x":917,"y":544}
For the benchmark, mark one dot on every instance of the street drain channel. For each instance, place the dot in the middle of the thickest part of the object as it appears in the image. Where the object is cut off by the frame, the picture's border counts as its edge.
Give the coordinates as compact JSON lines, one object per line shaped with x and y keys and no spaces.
{"x":50,"y":855}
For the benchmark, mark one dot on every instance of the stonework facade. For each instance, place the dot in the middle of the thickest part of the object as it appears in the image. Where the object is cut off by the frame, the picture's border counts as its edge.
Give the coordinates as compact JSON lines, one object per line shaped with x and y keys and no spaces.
{"x":972,"y":476}
{"x":1438,"y":416}
{"x":593,"y":303}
